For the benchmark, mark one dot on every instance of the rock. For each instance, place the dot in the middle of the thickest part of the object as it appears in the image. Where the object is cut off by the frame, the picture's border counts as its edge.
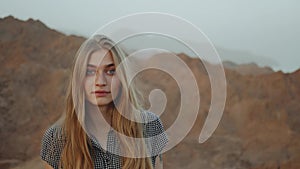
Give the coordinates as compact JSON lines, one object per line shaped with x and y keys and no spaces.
{"x":259,"y":128}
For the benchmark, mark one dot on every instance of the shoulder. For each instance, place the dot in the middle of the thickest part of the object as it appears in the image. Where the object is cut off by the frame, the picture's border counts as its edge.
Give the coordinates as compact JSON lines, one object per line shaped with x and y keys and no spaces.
{"x":148,"y":116}
{"x":51,"y":145}
{"x":155,"y":134}
{"x":152,"y":124}
{"x":54,"y":134}
{"x":54,"y":130}
{"x":154,"y":128}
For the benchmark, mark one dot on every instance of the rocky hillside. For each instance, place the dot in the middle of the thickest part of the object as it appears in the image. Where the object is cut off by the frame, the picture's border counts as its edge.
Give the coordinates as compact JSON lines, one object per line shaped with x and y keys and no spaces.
{"x":260,"y":127}
{"x":33,"y":68}
{"x":247,"y":69}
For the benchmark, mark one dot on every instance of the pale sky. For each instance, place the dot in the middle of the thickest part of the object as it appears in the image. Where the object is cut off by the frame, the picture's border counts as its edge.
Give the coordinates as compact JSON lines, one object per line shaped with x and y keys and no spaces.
{"x":263,"y":31}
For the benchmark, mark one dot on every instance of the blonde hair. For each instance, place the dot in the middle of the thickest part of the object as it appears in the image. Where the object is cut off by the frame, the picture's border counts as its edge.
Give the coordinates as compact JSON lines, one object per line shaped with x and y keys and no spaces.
{"x":76,"y":154}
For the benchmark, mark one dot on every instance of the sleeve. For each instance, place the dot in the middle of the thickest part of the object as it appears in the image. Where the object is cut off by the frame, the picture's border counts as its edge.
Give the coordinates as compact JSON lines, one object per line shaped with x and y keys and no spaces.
{"x":157,"y":137}
{"x":51,"y":147}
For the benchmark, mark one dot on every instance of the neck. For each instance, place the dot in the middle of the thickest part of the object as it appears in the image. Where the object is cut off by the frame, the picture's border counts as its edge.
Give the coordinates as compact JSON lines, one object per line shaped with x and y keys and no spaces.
{"x":98,"y":118}
{"x":98,"y":122}
{"x":105,"y":111}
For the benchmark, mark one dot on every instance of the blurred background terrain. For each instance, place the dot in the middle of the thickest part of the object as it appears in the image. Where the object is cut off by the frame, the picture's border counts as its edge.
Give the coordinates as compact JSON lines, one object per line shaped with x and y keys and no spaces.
{"x":260,"y":127}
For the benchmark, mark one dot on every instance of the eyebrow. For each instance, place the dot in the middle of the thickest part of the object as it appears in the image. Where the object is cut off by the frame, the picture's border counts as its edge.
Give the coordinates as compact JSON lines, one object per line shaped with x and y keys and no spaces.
{"x":106,"y":66}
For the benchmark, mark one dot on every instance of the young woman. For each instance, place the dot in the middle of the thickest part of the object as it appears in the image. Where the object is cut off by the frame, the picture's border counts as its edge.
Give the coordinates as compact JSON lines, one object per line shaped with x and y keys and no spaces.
{"x":104,"y":124}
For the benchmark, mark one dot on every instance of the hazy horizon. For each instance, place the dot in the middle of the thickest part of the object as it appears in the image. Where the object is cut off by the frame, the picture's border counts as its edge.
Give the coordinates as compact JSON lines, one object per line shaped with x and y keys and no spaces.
{"x":264,"y":32}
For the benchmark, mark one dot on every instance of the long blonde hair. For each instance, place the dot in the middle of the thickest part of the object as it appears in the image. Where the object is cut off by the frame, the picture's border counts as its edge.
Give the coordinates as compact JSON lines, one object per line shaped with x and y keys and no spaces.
{"x":76,"y":153}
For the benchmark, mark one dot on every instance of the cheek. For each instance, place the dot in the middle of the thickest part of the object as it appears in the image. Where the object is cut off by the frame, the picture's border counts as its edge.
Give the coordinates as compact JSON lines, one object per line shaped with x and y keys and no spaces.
{"x":115,"y":84}
{"x":87,"y":84}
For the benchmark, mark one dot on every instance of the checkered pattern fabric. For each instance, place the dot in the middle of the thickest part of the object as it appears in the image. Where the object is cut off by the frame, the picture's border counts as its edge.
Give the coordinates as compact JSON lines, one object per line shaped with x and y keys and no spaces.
{"x":53,"y":142}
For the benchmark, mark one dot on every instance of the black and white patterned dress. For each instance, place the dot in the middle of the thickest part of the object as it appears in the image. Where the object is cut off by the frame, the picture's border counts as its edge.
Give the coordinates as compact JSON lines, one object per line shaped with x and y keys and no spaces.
{"x":53,"y":144}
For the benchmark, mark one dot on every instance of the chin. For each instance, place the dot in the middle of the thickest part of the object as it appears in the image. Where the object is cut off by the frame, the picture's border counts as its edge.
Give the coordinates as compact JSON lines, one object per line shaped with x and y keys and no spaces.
{"x":102,"y":103}
{"x":99,"y":101}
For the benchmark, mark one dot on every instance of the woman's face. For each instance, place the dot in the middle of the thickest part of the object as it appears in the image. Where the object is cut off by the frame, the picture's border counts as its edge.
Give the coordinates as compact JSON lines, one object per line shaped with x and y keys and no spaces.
{"x":101,"y":80}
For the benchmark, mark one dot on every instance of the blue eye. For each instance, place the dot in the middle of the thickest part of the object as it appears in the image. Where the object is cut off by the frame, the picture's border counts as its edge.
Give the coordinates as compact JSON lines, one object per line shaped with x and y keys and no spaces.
{"x":111,"y":72}
{"x":90,"y":72}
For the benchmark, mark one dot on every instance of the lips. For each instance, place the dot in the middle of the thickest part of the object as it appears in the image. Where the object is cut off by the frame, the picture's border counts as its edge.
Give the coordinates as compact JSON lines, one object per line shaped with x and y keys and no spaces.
{"x":101,"y":93}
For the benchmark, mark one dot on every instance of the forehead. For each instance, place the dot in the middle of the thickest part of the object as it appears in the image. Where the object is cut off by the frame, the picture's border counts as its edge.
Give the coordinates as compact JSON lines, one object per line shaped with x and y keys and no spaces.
{"x":100,"y":57}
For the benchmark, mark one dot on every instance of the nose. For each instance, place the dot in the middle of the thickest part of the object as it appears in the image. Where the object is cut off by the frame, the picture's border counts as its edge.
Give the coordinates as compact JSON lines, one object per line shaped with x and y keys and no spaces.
{"x":100,"y":79}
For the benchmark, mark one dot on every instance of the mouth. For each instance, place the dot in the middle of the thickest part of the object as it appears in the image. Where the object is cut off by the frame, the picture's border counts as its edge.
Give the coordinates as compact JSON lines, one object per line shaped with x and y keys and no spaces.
{"x":101,"y":93}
